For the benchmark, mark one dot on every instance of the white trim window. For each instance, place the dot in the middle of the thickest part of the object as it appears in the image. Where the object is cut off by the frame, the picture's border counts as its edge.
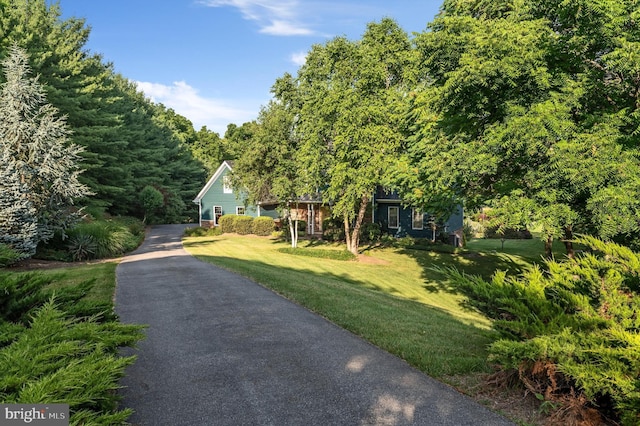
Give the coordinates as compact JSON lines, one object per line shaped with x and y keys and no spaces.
{"x":226,"y":184}
{"x":393,"y":216}
{"x":240,"y":210}
{"x":217,"y":214}
{"x":417,"y":219}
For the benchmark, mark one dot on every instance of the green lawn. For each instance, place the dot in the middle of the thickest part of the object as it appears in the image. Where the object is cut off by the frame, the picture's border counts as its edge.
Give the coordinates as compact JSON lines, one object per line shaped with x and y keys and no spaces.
{"x":529,"y":251}
{"x":103,"y":276}
{"x":392,"y":297}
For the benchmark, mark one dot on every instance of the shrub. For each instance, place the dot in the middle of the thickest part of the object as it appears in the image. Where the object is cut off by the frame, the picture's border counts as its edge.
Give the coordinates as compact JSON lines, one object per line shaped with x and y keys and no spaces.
{"x":70,"y":360}
{"x":244,"y":224}
{"x":72,"y":346}
{"x":82,"y":247}
{"x":24,"y":293}
{"x":227,"y":223}
{"x":332,"y":230}
{"x":201,"y":231}
{"x":370,"y":233}
{"x":8,"y":256}
{"x":263,"y":226}
{"x":103,"y":238}
{"x":570,"y":333}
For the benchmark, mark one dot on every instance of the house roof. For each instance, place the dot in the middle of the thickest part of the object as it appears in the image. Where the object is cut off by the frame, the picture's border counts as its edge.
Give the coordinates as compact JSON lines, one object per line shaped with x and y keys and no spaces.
{"x":227,"y":164}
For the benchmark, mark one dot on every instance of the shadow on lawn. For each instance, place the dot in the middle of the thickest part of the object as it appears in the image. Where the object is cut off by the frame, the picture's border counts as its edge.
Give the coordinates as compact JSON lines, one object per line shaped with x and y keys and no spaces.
{"x":434,"y":265}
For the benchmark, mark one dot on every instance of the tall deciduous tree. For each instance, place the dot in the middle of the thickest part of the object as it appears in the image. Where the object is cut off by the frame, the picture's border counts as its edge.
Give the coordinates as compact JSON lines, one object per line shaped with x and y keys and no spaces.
{"x":350,"y":117}
{"x":532,"y":104}
{"x":40,"y":166}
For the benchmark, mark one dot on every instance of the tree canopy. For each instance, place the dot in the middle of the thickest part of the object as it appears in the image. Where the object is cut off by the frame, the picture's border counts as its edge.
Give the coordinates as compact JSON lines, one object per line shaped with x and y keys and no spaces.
{"x":535,"y":105}
{"x":350,"y":117}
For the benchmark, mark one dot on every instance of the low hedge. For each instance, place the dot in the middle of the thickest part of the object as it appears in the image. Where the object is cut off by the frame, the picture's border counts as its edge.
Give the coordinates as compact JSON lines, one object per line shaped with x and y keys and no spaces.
{"x":243,"y":225}
{"x":227,"y":223}
{"x":263,"y":226}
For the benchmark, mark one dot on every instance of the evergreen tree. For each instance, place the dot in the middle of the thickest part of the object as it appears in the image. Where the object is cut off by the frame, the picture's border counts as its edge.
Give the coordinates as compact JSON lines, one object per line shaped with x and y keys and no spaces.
{"x":40,"y":165}
{"x":18,"y":226}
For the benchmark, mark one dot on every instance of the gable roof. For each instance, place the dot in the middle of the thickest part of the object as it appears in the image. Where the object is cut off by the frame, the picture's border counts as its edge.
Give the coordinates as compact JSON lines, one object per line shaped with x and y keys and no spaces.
{"x":227,"y":164}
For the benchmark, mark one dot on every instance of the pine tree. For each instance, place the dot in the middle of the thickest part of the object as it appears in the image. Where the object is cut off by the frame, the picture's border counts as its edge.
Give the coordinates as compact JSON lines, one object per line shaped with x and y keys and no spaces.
{"x":39,"y":162}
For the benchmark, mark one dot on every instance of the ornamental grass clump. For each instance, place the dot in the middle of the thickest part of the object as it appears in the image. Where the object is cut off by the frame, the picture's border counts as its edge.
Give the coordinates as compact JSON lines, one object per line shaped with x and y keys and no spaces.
{"x":571,"y":333}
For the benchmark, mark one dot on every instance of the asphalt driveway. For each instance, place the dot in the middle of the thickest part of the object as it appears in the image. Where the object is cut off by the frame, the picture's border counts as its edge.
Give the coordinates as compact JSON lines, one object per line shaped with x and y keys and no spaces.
{"x":222,"y":350}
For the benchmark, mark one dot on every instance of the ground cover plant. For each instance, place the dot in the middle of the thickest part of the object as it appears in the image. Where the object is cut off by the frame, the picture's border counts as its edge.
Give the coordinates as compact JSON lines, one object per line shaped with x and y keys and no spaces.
{"x":59,"y":340}
{"x":569,"y":332}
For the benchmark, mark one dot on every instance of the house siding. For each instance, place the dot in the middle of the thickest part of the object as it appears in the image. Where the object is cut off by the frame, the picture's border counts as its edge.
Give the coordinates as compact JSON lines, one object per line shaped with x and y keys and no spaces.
{"x":215,"y":196}
{"x":453,"y":224}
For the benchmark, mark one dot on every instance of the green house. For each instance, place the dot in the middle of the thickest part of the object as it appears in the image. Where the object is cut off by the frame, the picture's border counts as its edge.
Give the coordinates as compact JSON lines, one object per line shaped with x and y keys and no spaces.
{"x":218,"y":198}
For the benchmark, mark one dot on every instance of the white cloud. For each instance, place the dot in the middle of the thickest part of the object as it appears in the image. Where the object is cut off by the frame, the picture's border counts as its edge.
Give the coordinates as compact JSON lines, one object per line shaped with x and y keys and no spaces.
{"x":284,"y":28}
{"x":216,"y":114}
{"x":299,"y":58}
{"x":275,"y":17}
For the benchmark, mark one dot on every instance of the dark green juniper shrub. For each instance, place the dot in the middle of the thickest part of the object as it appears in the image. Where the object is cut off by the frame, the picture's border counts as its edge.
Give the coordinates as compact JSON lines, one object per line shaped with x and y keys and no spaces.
{"x":8,"y":256}
{"x":57,"y":359}
{"x":56,"y":347}
{"x":23,"y":293}
{"x":571,"y":333}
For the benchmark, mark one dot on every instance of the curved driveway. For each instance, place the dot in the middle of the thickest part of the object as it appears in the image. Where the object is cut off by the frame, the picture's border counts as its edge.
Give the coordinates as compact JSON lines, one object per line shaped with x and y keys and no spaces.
{"x":222,"y":350}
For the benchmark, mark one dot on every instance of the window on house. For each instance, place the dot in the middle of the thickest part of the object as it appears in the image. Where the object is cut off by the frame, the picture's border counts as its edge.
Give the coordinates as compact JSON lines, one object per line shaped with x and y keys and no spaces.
{"x":417,"y":219}
{"x":240,"y":211}
{"x":394,"y":217}
{"x":217,"y":213}
{"x":226,"y":185}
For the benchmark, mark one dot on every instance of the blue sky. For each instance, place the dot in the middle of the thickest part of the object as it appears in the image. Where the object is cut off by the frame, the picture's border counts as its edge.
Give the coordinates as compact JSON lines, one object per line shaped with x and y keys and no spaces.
{"x":214,"y":61}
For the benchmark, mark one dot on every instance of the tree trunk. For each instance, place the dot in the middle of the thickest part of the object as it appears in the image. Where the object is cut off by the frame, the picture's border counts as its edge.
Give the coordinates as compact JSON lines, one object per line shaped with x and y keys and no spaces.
{"x":353,"y":239}
{"x":548,"y":248}
{"x":294,"y":234}
{"x":347,"y":232}
{"x":568,"y":243}
{"x":293,"y":228}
